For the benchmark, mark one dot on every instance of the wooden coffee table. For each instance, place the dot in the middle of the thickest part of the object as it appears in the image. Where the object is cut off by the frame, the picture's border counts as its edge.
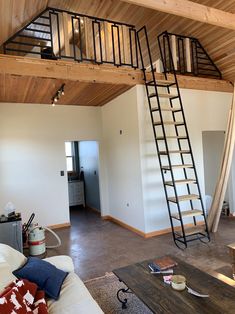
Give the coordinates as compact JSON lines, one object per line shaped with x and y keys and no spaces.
{"x":161,"y":298}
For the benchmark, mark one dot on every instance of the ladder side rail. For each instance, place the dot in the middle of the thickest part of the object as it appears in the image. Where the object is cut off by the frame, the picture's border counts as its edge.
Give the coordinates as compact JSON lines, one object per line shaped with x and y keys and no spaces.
{"x":152,"y":120}
{"x":161,"y":119}
{"x":190,"y":148}
{"x":166,"y":35}
{"x":174,"y":119}
{"x":171,"y":66}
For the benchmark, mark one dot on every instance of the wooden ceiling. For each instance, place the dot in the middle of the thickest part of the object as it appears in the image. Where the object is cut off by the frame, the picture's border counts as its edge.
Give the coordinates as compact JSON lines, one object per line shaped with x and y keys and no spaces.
{"x":27,"y":89}
{"x":218,"y":41}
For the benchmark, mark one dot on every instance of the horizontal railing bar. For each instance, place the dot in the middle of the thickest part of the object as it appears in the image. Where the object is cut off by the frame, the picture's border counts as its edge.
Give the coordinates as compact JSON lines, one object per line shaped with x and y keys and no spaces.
{"x":177,"y":35}
{"x":207,"y":64}
{"x":37,"y":30}
{"x":44,"y":17}
{"x":27,"y":44}
{"x":40,"y":24}
{"x":91,"y":17}
{"x":33,"y":37}
{"x":28,"y":51}
{"x":211,"y":70}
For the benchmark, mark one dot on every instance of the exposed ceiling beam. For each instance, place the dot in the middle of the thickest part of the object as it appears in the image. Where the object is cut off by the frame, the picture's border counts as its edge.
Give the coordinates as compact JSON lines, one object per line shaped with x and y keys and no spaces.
{"x":91,"y":73}
{"x":190,"y":10}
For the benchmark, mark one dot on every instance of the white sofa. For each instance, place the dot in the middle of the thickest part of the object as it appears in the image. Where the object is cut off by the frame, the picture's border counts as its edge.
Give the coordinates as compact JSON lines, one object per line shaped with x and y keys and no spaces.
{"x":74,"y":296}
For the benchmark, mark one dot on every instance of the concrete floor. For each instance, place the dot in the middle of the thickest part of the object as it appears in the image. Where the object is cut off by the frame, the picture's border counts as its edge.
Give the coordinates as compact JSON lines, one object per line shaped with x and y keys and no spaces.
{"x":97,"y":246}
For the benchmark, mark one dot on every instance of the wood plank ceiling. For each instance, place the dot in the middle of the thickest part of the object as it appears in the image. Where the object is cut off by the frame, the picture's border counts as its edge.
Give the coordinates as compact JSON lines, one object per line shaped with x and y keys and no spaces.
{"x":26,"y":89}
{"x":219,"y":42}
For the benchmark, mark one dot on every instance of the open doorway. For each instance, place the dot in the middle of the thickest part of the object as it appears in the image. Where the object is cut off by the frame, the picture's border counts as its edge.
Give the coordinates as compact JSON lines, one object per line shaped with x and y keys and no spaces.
{"x":82,"y":159}
{"x":213,"y":143}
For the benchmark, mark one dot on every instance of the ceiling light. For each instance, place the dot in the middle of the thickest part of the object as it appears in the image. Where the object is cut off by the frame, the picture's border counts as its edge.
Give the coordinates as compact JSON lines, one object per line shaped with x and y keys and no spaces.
{"x":57,"y":95}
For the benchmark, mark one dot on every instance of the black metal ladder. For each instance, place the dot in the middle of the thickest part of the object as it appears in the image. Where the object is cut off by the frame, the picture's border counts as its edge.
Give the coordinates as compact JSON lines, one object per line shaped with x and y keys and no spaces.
{"x":179,"y":176}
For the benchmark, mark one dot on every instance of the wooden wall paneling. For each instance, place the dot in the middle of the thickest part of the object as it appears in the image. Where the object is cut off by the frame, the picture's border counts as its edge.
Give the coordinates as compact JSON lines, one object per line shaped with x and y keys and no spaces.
{"x":126,"y":45}
{"x":174,"y":51}
{"x":66,"y":34}
{"x":88,"y":38}
{"x":108,"y":41}
{"x":188,"y":55}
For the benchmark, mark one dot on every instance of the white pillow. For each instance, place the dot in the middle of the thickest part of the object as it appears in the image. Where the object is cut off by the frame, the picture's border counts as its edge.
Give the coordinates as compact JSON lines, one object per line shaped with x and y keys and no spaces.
{"x":62,"y":262}
{"x":5,"y":274}
{"x":14,"y":258}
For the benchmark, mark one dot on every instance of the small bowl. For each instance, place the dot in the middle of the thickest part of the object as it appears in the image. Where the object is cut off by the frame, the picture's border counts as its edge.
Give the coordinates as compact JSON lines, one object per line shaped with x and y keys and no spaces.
{"x":178,"y":282}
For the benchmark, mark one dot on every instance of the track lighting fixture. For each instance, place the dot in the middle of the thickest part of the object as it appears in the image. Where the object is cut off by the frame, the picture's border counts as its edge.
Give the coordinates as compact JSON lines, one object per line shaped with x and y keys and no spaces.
{"x":58,"y":94}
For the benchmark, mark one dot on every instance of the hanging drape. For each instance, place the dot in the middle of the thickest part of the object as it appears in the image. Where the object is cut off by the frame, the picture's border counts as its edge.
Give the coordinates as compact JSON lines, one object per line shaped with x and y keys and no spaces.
{"x":221,"y":186}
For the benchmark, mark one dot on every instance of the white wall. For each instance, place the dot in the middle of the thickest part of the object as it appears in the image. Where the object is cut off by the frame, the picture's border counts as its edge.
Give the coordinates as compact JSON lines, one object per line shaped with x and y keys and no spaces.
{"x":123,"y":159}
{"x":89,"y":163}
{"x":204,"y":110}
{"x":32,"y":154}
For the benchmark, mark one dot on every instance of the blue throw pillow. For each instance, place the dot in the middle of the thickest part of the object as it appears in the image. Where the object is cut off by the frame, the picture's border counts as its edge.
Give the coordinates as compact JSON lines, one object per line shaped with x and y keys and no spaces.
{"x":45,"y":275}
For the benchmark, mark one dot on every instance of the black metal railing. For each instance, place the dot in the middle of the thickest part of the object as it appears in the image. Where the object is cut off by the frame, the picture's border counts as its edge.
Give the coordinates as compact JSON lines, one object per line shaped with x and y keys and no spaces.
{"x":60,"y":34}
{"x":188,"y":55}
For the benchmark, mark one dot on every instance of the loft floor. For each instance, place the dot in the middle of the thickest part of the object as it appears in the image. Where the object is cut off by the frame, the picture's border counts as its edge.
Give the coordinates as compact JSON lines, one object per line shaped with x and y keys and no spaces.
{"x":99,"y":246}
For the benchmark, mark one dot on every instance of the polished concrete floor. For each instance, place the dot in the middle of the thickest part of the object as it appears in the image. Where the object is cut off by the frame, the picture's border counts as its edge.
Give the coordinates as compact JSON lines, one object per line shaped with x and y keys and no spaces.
{"x":97,"y":246}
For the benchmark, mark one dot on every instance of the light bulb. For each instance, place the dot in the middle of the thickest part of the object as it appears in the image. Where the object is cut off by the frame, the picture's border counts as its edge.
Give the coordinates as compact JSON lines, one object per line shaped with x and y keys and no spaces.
{"x":55,"y":99}
{"x":62,"y":92}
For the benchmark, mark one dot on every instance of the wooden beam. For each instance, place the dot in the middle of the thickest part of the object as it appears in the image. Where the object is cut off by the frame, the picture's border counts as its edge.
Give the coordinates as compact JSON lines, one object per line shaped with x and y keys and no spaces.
{"x":69,"y":70}
{"x":90,"y":73}
{"x":190,"y":10}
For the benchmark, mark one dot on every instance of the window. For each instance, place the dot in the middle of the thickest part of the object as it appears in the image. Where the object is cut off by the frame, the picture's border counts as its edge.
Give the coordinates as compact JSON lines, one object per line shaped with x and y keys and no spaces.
{"x":69,"y":152}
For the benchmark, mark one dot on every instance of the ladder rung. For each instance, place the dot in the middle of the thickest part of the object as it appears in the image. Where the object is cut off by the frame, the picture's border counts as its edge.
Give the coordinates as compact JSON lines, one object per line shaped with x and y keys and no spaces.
{"x":168,"y":108}
{"x":174,"y":152}
{"x":169,"y":123}
{"x":182,"y":198}
{"x":185,"y":181}
{"x":172,"y":137}
{"x":177,"y":167}
{"x":188,"y":213}
{"x":193,"y":230}
{"x":170,"y":96}
{"x":160,"y":82}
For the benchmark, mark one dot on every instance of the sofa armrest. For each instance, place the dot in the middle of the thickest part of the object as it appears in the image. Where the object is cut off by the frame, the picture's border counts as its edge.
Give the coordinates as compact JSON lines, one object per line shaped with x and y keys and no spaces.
{"x":5,"y":274}
{"x":62,"y":262}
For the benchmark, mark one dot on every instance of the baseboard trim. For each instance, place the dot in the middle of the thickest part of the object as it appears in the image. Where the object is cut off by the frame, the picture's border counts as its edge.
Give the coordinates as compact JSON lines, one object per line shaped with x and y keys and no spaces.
{"x":94,"y":210}
{"x":124,"y":225}
{"x":59,"y":226}
{"x":141,"y":233}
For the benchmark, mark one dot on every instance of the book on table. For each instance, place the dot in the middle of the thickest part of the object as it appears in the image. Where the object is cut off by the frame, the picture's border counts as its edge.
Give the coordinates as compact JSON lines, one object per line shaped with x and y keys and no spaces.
{"x":164,"y":263}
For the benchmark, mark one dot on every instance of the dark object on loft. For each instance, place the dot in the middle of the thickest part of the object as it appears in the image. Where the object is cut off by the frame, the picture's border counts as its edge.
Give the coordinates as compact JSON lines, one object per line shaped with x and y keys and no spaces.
{"x":47,"y":53}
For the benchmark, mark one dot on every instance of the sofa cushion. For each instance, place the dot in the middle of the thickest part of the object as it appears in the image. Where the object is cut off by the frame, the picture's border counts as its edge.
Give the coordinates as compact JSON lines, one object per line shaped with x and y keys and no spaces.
{"x":62,"y":262}
{"x":74,"y":298}
{"x":6,"y":275}
{"x":45,"y":275}
{"x":13,"y":257}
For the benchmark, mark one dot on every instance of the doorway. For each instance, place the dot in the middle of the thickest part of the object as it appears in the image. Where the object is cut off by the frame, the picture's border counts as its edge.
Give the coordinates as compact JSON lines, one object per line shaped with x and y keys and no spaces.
{"x":213,"y":143}
{"x":82,"y":160}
